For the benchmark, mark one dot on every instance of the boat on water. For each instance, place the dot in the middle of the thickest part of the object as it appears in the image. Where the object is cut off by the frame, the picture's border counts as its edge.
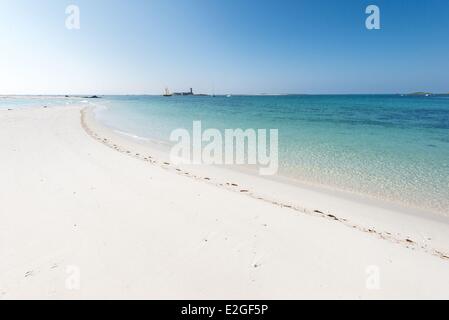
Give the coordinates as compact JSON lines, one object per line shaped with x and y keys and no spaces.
{"x":167,"y":93}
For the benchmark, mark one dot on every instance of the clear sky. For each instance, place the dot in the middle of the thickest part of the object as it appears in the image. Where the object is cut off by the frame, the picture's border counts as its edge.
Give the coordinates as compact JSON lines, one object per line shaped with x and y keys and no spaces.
{"x":234,"y":46}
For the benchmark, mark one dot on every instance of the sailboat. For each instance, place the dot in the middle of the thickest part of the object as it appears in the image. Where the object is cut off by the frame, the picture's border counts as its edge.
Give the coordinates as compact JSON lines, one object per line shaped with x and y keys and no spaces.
{"x":167,"y":93}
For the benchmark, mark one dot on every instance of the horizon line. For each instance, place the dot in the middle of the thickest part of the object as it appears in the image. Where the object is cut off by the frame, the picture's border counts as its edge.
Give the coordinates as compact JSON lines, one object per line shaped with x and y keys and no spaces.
{"x":87,"y":95}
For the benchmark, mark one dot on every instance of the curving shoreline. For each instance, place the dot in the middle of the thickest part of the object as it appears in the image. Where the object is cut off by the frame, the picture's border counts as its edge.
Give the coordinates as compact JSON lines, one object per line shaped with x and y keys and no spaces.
{"x":220,"y":178}
{"x":138,"y":227}
{"x":386,"y":158}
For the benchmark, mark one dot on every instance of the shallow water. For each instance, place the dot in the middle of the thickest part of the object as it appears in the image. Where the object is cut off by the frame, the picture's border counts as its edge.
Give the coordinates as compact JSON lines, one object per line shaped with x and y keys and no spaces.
{"x":388,"y":146}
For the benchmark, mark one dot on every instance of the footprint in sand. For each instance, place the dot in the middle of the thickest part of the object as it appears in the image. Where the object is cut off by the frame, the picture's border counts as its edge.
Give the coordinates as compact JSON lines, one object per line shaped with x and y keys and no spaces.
{"x":29,"y":274}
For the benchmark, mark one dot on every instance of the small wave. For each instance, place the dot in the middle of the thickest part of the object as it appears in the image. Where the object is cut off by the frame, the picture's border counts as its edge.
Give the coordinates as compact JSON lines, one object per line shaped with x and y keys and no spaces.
{"x":131,"y":135}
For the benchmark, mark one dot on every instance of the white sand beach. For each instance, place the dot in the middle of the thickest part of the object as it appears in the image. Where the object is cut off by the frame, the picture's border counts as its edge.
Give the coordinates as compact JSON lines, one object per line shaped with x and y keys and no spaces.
{"x":88,"y":214}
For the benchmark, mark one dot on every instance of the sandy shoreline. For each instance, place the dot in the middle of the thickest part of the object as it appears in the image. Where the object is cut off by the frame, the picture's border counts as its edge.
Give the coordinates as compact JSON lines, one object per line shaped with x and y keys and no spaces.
{"x":76,"y":196}
{"x":356,"y":211}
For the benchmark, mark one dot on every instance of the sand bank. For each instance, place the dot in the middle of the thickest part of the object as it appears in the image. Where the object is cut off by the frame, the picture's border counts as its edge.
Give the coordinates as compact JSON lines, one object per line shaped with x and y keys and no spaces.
{"x":87,"y":213}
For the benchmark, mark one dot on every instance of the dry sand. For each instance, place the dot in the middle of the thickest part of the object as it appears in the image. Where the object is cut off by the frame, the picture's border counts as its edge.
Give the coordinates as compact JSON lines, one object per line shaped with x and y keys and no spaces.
{"x":87,"y":214}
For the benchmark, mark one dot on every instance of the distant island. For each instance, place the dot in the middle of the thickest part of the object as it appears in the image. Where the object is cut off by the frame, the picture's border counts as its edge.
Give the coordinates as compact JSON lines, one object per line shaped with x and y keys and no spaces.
{"x":83,"y":97}
{"x":420,"y":93}
{"x":426,"y":94}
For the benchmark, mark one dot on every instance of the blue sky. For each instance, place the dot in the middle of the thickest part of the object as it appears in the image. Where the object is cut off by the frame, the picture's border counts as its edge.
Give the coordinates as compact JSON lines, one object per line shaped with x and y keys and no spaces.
{"x":230,"y":46}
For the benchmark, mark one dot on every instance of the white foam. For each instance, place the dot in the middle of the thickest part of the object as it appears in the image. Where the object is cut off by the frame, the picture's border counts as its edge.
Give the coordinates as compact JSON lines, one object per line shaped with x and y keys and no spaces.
{"x":131,"y":135}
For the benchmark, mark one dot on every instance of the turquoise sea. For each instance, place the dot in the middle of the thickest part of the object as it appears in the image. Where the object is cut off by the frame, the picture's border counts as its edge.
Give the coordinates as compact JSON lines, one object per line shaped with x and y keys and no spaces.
{"x":388,"y":146}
